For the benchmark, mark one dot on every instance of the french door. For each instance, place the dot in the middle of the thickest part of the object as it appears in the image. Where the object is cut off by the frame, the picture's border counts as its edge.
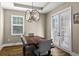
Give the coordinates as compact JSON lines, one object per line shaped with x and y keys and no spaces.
{"x":56,"y":28}
{"x":65,"y":30}
{"x":62,"y":29}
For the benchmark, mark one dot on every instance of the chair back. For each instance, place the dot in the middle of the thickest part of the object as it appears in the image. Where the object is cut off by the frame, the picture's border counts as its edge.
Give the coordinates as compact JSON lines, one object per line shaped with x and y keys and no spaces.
{"x":31,"y":34}
{"x":45,"y":45}
{"x":23,"y":40}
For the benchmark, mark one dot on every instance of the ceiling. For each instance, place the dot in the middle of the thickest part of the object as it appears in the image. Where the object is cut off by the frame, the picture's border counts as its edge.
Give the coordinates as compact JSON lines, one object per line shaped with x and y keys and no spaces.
{"x":37,"y":4}
{"x":43,"y":7}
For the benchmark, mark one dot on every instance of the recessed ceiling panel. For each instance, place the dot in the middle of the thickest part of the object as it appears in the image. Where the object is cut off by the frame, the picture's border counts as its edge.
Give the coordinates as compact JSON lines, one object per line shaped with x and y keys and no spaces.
{"x":36,"y":4}
{"x":46,"y":6}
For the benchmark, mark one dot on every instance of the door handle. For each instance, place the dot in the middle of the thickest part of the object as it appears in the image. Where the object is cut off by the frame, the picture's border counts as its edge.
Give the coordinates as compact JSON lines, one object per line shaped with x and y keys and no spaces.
{"x":58,"y":34}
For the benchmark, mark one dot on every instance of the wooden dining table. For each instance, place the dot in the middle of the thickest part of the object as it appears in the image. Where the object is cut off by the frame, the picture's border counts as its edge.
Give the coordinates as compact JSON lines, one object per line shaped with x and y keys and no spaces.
{"x":33,"y":39}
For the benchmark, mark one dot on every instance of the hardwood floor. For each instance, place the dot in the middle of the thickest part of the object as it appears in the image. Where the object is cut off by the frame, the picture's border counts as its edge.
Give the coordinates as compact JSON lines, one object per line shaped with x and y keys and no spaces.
{"x":58,"y":52}
{"x":11,"y":51}
{"x":17,"y":51}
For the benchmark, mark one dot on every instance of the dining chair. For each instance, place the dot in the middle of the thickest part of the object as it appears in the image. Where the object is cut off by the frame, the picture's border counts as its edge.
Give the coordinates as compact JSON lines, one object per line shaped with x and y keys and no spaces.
{"x":31,"y":34}
{"x":27,"y":47}
{"x":44,"y":48}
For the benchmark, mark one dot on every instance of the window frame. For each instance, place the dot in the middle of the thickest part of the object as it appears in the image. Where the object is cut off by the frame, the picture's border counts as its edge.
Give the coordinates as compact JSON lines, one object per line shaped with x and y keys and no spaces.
{"x":16,"y":24}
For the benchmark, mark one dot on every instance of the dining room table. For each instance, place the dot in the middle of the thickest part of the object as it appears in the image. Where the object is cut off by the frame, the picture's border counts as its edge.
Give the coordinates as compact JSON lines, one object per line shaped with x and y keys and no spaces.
{"x":33,"y":39}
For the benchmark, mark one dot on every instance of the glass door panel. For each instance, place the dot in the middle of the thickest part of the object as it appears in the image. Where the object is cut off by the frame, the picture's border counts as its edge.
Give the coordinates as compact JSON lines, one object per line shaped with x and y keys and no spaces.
{"x":56,"y":27}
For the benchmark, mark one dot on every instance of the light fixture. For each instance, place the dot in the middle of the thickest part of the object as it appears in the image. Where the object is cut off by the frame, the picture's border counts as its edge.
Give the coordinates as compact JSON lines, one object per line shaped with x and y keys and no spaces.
{"x":33,"y":15}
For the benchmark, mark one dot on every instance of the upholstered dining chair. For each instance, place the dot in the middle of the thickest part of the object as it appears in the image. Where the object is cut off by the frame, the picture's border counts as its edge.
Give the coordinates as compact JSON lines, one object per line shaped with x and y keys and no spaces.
{"x":26,"y":46}
{"x":44,"y":48}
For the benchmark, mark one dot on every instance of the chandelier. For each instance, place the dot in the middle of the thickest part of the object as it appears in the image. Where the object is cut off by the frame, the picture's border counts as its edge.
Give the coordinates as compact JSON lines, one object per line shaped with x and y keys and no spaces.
{"x":32,"y":15}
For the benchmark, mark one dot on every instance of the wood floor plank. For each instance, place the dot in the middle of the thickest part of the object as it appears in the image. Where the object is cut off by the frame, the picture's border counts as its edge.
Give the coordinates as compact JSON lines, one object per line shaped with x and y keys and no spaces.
{"x":17,"y":51}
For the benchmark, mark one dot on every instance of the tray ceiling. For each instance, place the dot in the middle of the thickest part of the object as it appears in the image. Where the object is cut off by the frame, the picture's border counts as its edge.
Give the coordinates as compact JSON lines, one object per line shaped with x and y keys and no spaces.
{"x":44,"y":6}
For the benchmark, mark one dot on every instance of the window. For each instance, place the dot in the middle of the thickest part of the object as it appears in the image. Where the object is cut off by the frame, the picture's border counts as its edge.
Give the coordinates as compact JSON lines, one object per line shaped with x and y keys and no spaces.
{"x":17,"y":25}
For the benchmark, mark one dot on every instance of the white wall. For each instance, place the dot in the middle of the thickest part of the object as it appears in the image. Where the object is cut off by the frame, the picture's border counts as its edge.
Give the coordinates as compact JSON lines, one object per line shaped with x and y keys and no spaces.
{"x":36,"y":27}
{"x":1,"y":25}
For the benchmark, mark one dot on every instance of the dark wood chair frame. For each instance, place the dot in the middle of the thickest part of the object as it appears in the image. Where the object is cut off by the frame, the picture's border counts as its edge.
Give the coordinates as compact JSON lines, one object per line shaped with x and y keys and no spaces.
{"x":25,"y":45}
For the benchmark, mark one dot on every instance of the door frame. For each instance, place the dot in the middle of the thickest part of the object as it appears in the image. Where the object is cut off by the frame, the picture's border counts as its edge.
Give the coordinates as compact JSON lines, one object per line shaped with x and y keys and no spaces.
{"x":62,"y":10}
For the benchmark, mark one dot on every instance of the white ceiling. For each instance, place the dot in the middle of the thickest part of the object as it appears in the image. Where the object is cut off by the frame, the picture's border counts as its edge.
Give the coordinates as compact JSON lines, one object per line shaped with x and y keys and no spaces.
{"x":37,"y":4}
{"x":47,"y":6}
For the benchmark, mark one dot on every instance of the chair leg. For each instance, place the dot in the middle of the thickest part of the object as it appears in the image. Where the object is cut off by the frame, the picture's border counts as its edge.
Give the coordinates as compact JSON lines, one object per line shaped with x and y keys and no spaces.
{"x":33,"y":53}
{"x":39,"y":53}
{"x":24,"y":51}
{"x":49,"y":52}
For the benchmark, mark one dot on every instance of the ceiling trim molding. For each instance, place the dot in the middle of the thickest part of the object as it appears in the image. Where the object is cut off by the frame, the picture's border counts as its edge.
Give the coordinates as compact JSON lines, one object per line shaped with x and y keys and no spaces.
{"x":27,"y":6}
{"x":46,"y":4}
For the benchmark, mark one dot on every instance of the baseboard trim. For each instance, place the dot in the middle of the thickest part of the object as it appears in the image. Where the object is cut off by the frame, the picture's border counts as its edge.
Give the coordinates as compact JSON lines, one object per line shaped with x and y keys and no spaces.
{"x":10,"y":44}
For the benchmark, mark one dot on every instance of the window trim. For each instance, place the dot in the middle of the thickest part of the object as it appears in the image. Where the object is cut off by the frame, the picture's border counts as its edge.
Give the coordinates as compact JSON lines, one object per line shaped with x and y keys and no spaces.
{"x":16,"y":25}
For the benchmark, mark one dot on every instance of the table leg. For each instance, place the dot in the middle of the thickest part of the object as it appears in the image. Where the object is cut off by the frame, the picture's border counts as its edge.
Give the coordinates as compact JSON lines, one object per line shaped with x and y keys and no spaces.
{"x":24,"y":52}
